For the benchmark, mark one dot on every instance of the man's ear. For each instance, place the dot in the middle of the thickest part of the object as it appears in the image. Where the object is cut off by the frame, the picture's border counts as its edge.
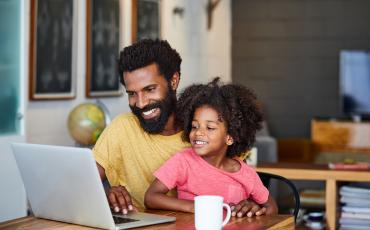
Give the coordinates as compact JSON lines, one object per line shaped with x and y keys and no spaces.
{"x":175,"y":81}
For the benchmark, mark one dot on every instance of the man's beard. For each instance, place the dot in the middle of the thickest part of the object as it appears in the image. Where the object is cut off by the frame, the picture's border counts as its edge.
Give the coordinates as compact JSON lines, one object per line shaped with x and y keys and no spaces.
{"x":166,"y":107}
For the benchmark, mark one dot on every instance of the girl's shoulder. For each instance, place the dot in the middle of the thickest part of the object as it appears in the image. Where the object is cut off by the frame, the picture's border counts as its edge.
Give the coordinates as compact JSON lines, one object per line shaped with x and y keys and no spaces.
{"x":186,"y":154}
{"x":245,"y":167}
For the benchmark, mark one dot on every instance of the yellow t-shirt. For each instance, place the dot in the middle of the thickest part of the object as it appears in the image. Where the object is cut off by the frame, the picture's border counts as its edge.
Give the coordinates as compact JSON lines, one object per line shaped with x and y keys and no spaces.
{"x":130,"y":155}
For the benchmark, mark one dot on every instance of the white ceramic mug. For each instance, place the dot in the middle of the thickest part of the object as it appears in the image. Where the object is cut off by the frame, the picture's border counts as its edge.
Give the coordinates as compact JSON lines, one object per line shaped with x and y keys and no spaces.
{"x":209,"y":212}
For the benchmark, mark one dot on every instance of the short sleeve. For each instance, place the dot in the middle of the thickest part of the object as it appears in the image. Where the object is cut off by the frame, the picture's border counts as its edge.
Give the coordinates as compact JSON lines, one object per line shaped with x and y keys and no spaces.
{"x":101,"y":151}
{"x":173,"y":172}
{"x":106,"y":154}
{"x":259,"y":193}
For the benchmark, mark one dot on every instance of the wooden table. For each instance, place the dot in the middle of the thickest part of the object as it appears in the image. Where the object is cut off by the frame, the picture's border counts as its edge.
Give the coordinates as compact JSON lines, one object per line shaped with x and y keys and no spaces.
{"x":183,"y":221}
{"x":318,"y":172}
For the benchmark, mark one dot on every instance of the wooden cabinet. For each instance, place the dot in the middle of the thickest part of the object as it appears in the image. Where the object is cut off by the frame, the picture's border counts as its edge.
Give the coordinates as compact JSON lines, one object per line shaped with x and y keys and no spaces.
{"x":295,"y":150}
{"x":340,"y":136}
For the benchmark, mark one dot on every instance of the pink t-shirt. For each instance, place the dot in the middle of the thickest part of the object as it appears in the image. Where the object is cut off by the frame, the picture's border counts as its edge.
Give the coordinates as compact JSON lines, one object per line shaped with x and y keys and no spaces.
{"x":193,"y":176}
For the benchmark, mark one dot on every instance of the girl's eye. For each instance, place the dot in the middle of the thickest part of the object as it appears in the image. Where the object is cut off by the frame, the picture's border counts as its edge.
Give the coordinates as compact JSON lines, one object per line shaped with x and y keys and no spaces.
{"x":193,"y":126}
{"x":211,"y":128}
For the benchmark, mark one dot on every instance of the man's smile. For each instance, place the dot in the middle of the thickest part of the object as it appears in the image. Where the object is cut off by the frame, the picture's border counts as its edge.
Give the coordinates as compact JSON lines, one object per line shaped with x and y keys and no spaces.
{"x":150,"y":114}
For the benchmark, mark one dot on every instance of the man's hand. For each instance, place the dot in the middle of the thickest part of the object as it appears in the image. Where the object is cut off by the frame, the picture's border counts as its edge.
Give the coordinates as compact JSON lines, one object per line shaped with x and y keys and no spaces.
{"x":119,"y":199}
{"x":247,"y":208}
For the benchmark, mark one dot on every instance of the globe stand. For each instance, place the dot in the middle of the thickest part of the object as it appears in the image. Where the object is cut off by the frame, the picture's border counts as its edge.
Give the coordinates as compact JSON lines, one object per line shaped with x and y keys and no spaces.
{"x":107,"y":115}
{"x":78,"y":145}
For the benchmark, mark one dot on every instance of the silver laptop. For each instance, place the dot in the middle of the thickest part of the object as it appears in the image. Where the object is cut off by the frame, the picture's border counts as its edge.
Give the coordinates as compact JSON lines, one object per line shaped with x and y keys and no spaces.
{"x":63,"y":184}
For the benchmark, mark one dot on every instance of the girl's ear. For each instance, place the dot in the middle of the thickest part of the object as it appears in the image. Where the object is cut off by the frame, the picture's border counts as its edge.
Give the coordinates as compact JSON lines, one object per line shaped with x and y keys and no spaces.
{"x":229,"y":140}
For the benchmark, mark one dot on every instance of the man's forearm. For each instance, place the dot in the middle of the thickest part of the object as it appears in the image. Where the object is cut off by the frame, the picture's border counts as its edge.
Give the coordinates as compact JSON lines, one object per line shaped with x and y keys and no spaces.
{"x":101,"y":172}
{"x":271,"y":206}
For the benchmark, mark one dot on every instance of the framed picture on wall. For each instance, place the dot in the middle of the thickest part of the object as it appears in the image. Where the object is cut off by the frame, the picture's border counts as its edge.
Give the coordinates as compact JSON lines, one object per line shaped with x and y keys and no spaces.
{"x":102,"y":48}
{"x":51,"y":33}
{"x":146,"y":19}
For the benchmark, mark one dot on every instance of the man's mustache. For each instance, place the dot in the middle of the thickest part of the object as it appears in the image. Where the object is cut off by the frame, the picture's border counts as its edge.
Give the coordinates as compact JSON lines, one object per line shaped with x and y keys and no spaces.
{"x":146,"y":108}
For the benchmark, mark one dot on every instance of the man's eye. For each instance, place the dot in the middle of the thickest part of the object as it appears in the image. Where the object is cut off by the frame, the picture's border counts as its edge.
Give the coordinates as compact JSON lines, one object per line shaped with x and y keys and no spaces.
{"x":130,"y":94}
{"x":151,"y":89}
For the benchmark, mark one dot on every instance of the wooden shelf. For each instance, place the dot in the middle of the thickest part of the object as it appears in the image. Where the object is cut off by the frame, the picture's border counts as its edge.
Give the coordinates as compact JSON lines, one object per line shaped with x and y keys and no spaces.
{"x":318,"y":173}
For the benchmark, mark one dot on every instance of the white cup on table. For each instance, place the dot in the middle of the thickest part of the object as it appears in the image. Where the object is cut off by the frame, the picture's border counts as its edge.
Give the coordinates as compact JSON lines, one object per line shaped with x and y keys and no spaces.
{"x":209,"y":212}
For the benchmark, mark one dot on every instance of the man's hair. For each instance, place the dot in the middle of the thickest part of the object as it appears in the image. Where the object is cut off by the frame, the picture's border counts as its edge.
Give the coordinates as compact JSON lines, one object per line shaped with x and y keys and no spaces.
{"x":236,"y":106}
{"x":146,"y":52}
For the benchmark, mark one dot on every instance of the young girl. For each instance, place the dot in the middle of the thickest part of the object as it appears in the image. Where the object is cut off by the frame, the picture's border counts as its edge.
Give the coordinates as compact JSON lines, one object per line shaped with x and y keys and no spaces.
{"x":220,"y":122}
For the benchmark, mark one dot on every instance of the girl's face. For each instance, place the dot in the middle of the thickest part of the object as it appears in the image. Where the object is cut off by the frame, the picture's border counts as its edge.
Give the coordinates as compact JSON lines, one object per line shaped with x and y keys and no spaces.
{"x":208,"y":135}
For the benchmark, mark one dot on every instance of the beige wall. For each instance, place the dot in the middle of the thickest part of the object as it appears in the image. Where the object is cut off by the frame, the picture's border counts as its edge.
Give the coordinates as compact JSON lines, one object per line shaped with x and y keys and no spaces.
{"x":205,"y":54}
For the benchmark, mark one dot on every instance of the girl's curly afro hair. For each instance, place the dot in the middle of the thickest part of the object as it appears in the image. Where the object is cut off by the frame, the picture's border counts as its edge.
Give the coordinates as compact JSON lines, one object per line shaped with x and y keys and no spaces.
{"x":237,"y":107}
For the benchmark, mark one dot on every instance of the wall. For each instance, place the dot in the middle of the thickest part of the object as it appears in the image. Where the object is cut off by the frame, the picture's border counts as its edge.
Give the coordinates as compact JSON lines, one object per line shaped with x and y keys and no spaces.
{"x":288,"y":52}
{"x":205,"y":54}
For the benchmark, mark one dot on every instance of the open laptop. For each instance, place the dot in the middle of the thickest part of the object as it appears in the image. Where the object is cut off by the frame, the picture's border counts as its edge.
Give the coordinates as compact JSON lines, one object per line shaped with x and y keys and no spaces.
{"x":63,"y":184}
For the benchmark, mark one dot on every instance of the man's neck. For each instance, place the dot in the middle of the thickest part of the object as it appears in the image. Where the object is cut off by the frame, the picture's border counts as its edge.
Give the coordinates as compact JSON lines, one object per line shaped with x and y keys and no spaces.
{"x":171,"y":127}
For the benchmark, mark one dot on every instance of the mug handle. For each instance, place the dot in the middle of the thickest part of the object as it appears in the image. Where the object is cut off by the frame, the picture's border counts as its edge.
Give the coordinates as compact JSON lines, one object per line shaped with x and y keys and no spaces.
{"x":228,"y":214}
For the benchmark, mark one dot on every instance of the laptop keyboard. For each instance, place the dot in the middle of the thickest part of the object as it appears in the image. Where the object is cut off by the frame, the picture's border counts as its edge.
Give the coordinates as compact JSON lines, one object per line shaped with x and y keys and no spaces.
{"x":121,"y":220}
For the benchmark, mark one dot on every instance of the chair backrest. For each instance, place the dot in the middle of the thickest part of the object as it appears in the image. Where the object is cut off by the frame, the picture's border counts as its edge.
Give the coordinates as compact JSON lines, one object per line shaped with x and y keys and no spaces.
{"x":266,"y":180}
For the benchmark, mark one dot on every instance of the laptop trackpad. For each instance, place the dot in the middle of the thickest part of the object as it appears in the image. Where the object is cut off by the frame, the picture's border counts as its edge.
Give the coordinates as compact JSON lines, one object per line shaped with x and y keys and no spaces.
{"x":121,"y":220}
{"x":138,"y":219}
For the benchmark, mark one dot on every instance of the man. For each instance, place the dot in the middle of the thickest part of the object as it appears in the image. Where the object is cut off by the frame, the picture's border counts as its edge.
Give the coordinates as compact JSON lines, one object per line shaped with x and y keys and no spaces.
{"x":135,"y":144}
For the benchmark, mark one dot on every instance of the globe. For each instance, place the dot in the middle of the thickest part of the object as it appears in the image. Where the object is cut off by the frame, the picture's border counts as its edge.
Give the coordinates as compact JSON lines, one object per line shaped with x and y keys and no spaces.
{"x":86,"y":122}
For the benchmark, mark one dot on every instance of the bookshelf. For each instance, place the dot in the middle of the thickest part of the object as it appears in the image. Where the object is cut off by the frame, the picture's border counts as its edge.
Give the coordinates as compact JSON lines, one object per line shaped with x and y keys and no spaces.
{"x":313,"y":172}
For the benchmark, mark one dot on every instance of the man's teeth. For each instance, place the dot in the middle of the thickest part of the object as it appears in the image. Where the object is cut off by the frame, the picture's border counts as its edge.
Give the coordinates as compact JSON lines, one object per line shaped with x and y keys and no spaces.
{"x":200,"y":142}
{"x":149,"y":112}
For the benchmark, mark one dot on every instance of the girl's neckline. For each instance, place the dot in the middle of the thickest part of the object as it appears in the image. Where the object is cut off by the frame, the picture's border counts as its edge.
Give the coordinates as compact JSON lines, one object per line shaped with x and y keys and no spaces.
{"x":218,"y":169}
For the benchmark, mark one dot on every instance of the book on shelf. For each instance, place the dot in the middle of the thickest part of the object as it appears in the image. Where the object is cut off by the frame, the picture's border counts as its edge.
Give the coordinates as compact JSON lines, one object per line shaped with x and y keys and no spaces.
{"x":355,"y":202}
{"x":357,"y":190}
{"x":361,"y":166}
{"x":344,"y":220}
{"x":354,"y":195}
{"x":353,"y":227}
{"x":353,"y":224}
{"x":356,"y":215}
{"x":312,"y":197}
{"x":356,"y":209}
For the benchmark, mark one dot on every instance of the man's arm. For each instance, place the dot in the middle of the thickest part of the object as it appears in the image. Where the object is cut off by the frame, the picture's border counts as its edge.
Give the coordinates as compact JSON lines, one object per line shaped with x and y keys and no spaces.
{"x":118,"y":197}
{"x":250,"y":208}
{"x":156,"y":198}
{"x":101,"y":170}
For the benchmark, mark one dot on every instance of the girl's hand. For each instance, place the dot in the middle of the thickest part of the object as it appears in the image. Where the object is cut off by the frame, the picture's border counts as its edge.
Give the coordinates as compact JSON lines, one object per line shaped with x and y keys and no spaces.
{"x":250,"y":208}
{"x":247,"y":208}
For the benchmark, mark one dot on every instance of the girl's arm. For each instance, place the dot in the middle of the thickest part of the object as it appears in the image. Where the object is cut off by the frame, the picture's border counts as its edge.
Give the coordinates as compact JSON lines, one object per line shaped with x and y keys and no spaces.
{"x":156,"y":198}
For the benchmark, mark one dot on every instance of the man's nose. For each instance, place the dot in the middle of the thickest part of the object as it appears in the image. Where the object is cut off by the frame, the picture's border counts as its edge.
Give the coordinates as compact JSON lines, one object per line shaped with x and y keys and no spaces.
{"x":142,"y":101}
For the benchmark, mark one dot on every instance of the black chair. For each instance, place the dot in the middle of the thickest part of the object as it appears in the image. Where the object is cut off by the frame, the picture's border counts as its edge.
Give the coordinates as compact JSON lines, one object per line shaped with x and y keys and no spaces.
{"x":266,"y":180}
